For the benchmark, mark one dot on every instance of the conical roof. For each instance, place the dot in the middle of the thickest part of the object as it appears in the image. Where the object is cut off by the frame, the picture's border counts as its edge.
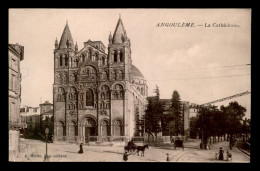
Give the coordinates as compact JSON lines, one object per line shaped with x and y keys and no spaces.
{"x":66,"y":36}
{"x":119,"y":32}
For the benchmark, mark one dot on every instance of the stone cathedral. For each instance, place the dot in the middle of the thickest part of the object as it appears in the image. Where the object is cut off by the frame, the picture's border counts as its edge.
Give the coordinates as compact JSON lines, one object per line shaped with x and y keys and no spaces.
{"x":97,"y":96}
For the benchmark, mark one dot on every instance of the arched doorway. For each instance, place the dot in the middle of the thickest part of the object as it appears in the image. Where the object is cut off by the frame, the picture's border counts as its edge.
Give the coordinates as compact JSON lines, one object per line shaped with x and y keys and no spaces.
{"x":89,"y":129}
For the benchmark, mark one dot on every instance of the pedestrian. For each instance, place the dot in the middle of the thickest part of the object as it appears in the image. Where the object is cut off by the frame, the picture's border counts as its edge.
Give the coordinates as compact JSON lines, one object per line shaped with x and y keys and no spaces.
{"x":167,"y":159}
{"x":221,"y":154}
{"x":80,"y":148}
{"x":229,"y":156}
{"x":125,"y":157}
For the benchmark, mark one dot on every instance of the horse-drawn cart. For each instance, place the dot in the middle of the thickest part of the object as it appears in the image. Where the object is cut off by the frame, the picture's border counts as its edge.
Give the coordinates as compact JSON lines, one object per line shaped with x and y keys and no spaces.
{"x":178,"y":143}
{"x":130,"y":149}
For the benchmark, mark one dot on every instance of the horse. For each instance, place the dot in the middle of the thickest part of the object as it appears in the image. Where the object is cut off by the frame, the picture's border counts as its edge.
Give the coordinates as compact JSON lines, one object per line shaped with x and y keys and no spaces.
{"x":142,"y":149}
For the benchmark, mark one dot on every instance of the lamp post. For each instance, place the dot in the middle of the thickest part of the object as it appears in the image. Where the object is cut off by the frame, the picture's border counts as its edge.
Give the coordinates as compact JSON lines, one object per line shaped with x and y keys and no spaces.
{"x":46,"y":135}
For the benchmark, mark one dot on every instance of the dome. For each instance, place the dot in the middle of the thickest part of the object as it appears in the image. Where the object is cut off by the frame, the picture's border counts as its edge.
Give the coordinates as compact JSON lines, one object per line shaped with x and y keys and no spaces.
{"x":136,"y":72}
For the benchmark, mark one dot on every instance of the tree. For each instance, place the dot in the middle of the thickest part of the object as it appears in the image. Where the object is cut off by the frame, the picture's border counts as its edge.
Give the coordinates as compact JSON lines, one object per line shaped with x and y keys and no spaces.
{"x":193,"y":127}
{"x":176,"y":113}
{"x":207,"y":122}
{"x":234,"y":116}
{"x":154,"y":114}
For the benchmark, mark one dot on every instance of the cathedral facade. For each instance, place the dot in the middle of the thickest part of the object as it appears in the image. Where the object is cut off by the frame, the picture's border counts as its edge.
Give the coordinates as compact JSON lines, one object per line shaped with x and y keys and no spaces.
{"x":97,"y":96}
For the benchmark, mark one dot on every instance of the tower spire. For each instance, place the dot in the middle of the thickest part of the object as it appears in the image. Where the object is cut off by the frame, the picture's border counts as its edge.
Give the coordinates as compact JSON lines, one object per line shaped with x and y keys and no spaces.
{"x":56,"y":43}
{"x":110,"y":38}
{"x":66,"y":38}
{"x":119,"y":31}
{"x":76,"y":47}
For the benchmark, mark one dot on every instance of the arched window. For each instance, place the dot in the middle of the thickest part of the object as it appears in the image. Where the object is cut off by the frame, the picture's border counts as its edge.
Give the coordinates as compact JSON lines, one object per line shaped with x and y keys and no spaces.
{"x":60,"y":60}
{"x":61,"y":93}
{"x":95,"y":57}
{"x":66,"y":60}
{"x":103,"y":61}
{"x":119,"y":91}
{"x":116,"y":96}
{"x":115,"y":56}
{"x":120,"y":75}
{"x":113,"y":75}
{"x":83,"y":57}
{"x":77,"y":62}
{"x":118,"y":87}
{"x":104,"y":75}
{"x":59,"y":78}
{"x":65,"y":78}
{"x":58,"y":97}
{"x":121,"y":56}
{"x":89,"y":98}
{"x":107,"y":95}
{"x":89,"y":54}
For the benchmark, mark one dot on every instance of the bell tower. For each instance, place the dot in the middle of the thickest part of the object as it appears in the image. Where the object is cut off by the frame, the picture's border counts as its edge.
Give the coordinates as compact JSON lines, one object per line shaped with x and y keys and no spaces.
{"x":119,"y":51}
{"x":64,"y":50}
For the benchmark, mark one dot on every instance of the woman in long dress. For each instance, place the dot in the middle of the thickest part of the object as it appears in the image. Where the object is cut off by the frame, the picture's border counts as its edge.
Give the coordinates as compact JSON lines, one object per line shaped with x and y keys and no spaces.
{"x":221,"y":154}
{"x":80,"y":148}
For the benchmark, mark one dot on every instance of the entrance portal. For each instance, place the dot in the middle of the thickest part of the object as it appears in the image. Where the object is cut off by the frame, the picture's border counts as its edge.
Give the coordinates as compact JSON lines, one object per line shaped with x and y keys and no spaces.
{"x":89,"y":129}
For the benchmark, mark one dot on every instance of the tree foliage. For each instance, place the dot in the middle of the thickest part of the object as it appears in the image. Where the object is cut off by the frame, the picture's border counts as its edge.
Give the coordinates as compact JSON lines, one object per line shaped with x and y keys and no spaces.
{"x":176,"y":113}
{"x":153,"y":114}
{"x":227,"y":120}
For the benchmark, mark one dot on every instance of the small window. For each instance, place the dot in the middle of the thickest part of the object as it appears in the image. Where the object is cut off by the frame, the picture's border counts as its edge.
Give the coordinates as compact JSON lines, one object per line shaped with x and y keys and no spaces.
{"x":60,"y":60}
{"x":66,"y":60}
{"x":115,"y":56}
{"x":121,"y":56}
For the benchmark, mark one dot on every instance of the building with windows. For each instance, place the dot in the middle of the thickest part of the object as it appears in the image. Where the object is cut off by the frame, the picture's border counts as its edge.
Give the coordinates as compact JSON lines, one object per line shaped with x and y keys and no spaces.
{"x":96,"y":95}
{"x":46,"y":117}
{"x":30,"y":116}
{"x":15,"y":55}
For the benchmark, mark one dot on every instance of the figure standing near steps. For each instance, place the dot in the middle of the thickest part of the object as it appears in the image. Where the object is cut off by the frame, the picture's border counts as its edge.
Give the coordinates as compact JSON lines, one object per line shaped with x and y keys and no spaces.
{"x":80,"y":148}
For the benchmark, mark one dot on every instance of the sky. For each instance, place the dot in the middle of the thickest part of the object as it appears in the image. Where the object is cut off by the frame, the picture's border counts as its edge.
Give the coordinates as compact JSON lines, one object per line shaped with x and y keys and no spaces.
{"x":202,"y":63}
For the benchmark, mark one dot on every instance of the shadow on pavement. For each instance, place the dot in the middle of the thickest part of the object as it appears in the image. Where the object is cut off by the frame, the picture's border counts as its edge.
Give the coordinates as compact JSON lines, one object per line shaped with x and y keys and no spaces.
{"x":70,"y":152}
{"x":113,"y":152}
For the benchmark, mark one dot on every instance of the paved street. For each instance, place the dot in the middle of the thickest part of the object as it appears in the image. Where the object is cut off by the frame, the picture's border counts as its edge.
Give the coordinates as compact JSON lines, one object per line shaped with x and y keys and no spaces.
{"x":69,"y":152}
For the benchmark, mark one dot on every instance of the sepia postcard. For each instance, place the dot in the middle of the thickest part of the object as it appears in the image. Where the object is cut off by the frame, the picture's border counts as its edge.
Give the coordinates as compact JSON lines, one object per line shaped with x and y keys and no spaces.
{"x":129,"y":85}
